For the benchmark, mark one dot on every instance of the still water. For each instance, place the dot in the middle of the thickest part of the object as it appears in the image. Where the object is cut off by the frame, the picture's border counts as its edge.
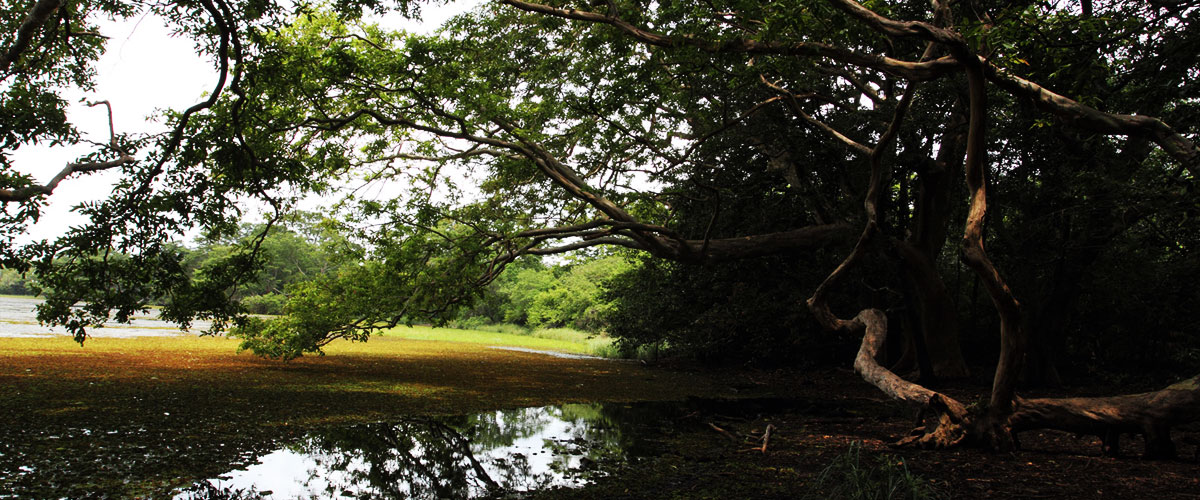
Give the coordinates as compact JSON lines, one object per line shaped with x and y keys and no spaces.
{"x":482,"y":455}
{"x":18,"y":318}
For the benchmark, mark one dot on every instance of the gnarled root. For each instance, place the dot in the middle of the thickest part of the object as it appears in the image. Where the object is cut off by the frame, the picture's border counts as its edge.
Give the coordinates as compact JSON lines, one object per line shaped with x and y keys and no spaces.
{"x":942,"y":427}
{"x":945,"y":419}
{"x":946,"y":422}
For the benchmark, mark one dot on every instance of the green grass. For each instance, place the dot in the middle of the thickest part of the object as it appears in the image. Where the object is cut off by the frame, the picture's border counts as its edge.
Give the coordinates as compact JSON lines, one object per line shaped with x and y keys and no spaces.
{"x":548,"y":340}
{"x":573,"y":341}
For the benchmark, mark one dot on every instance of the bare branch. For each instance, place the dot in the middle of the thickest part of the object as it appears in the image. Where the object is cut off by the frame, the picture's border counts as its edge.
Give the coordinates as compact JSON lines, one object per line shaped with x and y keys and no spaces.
{"x":30,"y":192}
{"x":855,"y":81}
{"x":794,"y":105}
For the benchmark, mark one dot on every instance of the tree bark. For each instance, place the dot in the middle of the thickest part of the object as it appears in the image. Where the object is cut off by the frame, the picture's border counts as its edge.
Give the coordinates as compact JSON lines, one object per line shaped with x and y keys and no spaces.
{"x":936,"y":314}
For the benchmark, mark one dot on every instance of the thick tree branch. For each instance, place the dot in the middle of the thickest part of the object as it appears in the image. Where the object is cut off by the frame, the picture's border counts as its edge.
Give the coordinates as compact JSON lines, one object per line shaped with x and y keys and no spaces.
{"x":29,"y":192}
{"x":893,"y":28}
{"x":37,"y":18}
{"x":917,"y":71}
{"x":1012,"y":341}
{"x":613,"y":240}
{"x":696,"y":251}
{"x":456,"y":156}
{"x":1086,"y":117}
{"x":873,"y":324}
{"x":818,"y":302}
{"x":1151,"y":414}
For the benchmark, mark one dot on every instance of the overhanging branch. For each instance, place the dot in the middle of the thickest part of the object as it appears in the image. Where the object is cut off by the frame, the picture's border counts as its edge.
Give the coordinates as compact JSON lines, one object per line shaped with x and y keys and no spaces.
{"x":917,"y":71}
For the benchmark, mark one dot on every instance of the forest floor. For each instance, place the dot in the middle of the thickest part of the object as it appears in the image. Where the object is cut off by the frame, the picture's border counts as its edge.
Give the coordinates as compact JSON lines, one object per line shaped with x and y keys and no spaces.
{"x":843,"y":410}
{"x":175,"y":409}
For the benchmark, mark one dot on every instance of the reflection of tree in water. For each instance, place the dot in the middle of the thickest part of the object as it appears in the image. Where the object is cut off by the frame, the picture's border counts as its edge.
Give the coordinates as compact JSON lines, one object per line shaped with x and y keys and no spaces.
{"x":460,"y":457}
{"x":598,"y":435}
{"x":208,"y":491}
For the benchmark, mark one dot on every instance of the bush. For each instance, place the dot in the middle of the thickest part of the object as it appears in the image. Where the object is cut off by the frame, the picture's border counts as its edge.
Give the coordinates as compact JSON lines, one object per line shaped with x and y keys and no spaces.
{"x":271,"y":303}
{"x":508,"y":328}
{"x":609,"y":348}
{"x":14,"y":283}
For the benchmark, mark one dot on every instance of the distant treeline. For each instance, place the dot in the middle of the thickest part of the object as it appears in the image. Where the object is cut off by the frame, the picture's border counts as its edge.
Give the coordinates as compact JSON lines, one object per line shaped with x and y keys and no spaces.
{"x":566,"y":294}
{"x":12,"y":282}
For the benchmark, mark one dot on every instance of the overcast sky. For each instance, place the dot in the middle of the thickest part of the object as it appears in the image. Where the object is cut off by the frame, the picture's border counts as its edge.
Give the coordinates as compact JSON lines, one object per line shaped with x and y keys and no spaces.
{"x":143,"y":69}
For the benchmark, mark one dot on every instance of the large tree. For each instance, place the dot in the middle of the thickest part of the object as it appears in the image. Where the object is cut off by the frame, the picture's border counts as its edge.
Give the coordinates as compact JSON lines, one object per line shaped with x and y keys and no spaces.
{"x":533,"y":129}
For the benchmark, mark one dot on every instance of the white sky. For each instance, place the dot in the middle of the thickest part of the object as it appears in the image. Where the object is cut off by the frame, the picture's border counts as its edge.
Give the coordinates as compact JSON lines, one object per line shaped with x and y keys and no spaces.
{"x":143,"y":69}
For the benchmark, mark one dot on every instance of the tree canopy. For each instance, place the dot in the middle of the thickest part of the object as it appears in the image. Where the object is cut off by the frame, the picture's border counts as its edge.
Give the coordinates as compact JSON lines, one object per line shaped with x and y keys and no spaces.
{"x":700,"y":133}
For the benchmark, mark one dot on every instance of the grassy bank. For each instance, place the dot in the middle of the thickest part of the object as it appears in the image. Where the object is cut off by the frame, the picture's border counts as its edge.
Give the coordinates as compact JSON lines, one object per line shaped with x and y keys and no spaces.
{"x":559,"y":339}
{"x":556,"y":339}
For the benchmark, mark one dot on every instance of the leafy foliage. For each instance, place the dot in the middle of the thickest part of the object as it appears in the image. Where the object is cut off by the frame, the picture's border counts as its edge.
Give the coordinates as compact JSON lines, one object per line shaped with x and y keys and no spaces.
{"x":699,"y":133}
{"x":532,"y":294}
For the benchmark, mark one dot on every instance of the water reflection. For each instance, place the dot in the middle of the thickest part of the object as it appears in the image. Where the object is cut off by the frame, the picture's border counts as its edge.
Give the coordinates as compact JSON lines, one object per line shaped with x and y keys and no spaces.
{"x":455,"y":457}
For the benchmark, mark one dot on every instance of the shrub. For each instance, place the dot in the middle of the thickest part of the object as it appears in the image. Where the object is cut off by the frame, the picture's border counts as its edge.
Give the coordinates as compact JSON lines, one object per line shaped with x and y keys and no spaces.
{"x":271,"y":303}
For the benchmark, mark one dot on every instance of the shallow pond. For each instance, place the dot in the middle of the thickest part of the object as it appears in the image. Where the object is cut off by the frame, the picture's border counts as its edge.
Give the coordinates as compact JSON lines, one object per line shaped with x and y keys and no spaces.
{"x":482,"y":455}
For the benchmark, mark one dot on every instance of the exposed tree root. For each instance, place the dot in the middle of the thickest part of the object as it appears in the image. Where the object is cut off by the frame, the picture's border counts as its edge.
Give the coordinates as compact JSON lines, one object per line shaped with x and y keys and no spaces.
{"x":946,"y":422}
{"x":944,"y":417}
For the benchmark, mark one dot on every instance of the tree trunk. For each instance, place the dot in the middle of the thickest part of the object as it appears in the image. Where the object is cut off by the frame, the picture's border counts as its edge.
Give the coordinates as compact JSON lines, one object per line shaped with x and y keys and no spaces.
{"x":1151,"y":414}
{"x":936,"y":314}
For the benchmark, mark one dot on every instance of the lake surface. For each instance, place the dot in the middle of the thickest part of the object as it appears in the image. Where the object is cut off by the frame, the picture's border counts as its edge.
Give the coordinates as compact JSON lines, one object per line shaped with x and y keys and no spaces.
{"x":19,"y":319}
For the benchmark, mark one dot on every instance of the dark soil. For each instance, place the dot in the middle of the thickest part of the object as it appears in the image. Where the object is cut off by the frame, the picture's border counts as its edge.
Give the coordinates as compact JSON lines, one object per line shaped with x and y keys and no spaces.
{"x":704,"y":463}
